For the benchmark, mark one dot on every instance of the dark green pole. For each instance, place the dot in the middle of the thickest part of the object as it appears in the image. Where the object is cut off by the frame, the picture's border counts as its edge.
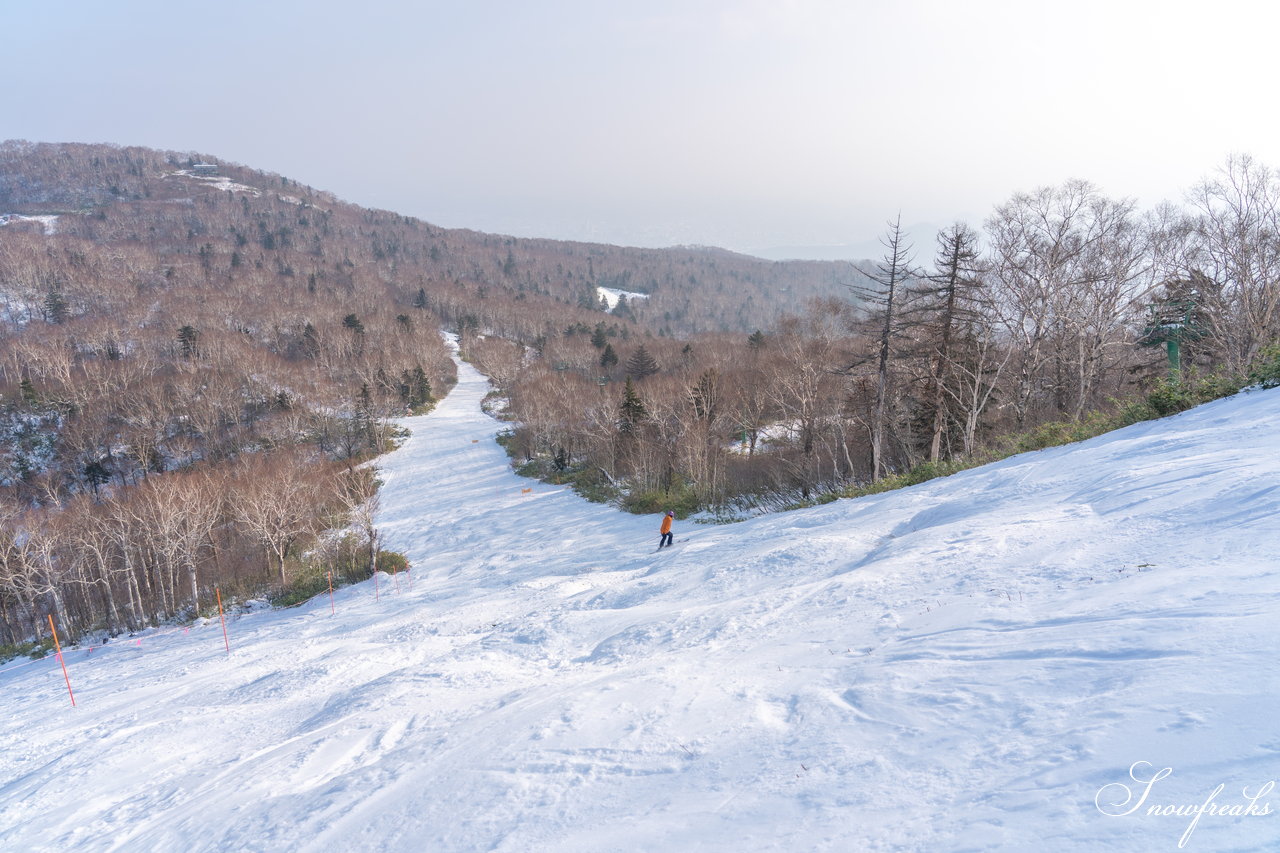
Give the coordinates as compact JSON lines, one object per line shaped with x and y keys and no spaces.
{"x":1175,"y":359}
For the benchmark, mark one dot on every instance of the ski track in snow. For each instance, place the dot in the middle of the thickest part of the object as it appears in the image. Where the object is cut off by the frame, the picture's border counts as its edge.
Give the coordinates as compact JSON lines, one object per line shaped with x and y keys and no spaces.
{"x":957,"y":666}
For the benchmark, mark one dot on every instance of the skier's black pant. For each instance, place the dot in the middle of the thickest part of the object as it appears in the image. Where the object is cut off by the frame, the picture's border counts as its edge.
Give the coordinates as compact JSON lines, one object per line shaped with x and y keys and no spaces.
{"x":665,"y":540}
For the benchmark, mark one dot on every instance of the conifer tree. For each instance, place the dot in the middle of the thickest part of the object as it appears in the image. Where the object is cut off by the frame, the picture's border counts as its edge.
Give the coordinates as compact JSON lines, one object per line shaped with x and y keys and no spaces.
{"x":949,"y":297}
{"x":892,"y":275}
{"x":96,"y":475}
{"x":623,"y":308}
{"x":633,"y":412}
{"x":705,"y":396}
{"x":188,"y":336}
{"x":55,"y":307}
{"x":352,"y":322}
{"x":310,"y":341}
{"x":365,"y":419}
{"x":414,"y":389}
{"x":641,"y":365}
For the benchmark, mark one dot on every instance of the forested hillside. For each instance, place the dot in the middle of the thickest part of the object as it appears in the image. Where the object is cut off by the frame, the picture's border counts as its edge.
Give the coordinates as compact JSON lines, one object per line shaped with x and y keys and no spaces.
{"x":1070,"y":312}
{"x":108,"y":193}
{"x":191,"y":362}
{"x":193,"y":354}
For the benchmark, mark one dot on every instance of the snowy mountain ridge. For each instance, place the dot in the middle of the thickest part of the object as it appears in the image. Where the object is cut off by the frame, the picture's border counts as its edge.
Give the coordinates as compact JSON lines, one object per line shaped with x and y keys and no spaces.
{"x":976,"y":663}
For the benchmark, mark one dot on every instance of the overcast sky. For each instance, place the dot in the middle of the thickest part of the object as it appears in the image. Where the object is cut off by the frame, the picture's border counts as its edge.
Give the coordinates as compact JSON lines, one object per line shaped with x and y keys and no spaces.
{"x":739,"y":124}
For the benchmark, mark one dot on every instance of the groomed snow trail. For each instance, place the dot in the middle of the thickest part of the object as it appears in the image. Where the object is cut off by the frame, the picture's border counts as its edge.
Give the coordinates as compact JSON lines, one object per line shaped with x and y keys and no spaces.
{"x":958,"y":666}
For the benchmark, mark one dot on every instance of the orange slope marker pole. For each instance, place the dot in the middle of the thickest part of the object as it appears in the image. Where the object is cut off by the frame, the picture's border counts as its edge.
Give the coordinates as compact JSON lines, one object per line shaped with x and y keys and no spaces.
{"x":331,"y":610}
{"x":58,"y":647}
{"x":225,"y":641}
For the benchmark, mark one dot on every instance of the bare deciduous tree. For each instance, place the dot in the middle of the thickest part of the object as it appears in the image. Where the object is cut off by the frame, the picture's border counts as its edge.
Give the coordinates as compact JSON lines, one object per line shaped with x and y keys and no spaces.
{"x":1236,"y":244}
{"x":274,"y":502}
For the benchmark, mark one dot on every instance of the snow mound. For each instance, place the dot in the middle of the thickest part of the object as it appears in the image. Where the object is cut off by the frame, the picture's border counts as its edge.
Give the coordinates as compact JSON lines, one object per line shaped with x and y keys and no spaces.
{"x":977,"y":663}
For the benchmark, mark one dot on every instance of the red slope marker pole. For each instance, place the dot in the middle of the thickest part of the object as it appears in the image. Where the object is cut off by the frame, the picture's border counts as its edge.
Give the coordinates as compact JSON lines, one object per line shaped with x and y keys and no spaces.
{"x":225,"y":641}
{"x":331,"y":610}
{"x":58,"y":648}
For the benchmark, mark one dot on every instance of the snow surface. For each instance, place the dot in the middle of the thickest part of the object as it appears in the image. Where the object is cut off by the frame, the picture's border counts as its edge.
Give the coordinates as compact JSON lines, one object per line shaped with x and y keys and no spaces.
{"x":611,"y":294}
{"x":773,"y":433}
{"x":48,"y":222}
{"x":972,"y":664}
{"x":218,"y":182}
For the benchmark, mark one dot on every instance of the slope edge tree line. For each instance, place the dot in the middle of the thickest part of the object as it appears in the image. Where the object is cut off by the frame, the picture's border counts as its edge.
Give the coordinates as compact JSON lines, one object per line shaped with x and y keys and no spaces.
{"x":1058,"y":311}
{"x":189,"y":380}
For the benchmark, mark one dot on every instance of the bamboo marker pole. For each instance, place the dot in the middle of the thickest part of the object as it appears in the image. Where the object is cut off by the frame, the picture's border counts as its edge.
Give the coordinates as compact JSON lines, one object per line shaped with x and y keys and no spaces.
{"x":225,"y":641}
{"x":58,"y":647}
{"x":331,"y":610}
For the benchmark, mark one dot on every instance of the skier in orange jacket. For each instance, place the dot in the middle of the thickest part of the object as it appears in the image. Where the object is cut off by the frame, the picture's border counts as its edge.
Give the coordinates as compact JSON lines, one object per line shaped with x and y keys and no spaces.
{"x":666,"y":529}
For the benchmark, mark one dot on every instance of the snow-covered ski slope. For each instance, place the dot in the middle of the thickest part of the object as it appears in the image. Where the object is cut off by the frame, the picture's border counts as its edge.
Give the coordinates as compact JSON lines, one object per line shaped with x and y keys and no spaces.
{"x":972,"y":664}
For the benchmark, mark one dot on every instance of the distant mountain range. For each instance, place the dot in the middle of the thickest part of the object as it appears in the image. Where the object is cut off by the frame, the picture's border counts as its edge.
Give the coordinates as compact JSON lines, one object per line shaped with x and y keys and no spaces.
{"x":176,"y":204}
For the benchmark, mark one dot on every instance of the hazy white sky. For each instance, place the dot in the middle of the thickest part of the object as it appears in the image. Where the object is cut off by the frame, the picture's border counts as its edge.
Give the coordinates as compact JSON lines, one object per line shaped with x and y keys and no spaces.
{"x":739,"y":124}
